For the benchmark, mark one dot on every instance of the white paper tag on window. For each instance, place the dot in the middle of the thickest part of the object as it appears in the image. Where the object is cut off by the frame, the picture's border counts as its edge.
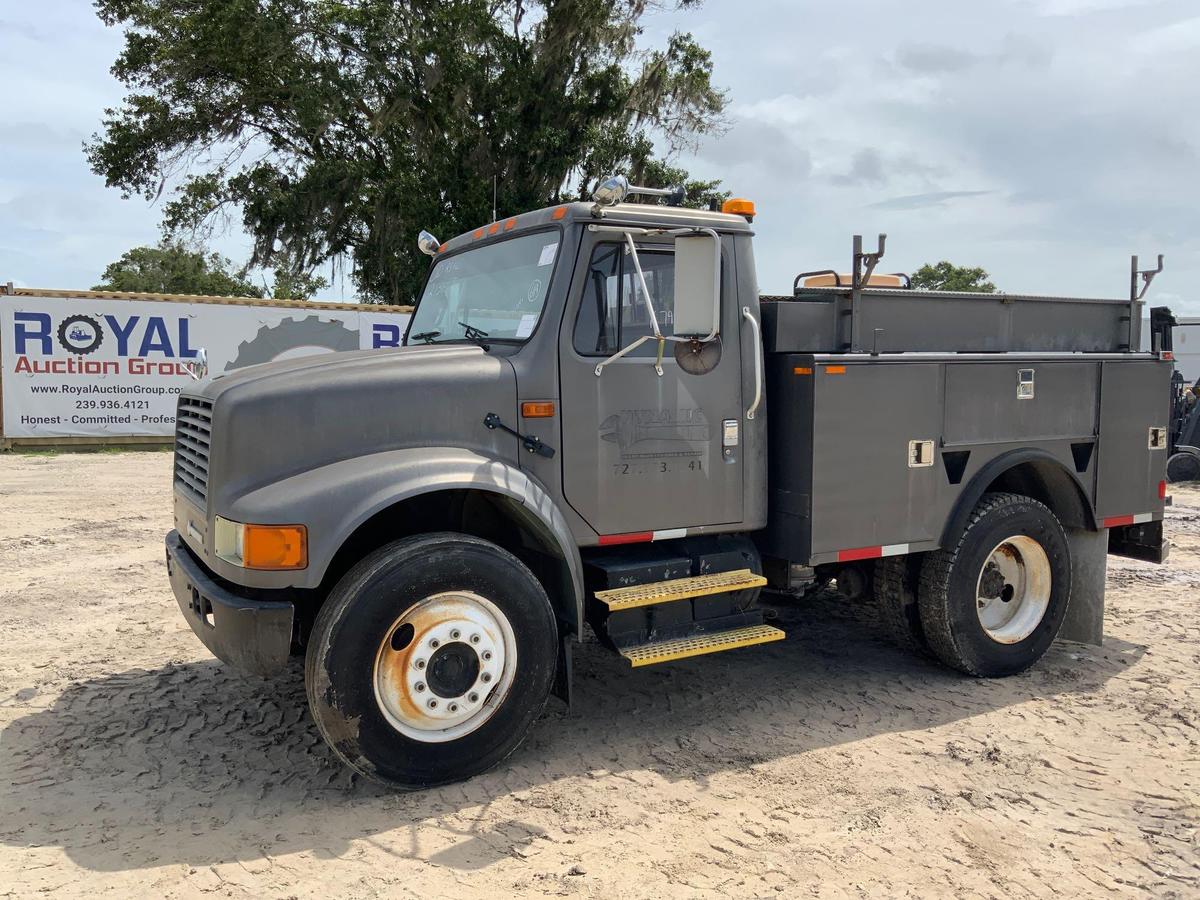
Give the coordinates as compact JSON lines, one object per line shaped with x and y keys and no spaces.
{"x":548,"y":252}
{"x":525,"y":326}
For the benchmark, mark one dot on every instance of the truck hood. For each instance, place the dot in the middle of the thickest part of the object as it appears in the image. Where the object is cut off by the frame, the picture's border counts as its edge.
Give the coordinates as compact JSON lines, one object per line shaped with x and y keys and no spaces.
{"x":279,"y":419}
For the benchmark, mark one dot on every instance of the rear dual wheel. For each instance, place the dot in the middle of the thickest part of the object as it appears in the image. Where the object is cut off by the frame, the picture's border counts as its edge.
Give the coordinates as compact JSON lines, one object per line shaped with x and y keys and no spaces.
{"x":990,"y":605}
{"x":431,"y":659}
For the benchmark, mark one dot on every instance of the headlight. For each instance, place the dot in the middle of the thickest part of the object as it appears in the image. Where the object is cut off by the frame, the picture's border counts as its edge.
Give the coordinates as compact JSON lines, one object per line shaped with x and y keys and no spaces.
{"x":261,"y":546}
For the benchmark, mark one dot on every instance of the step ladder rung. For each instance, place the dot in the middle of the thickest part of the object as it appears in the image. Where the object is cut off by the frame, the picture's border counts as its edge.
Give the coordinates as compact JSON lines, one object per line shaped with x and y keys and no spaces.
{"x":678,"y":589}
{"x":700,"y":644}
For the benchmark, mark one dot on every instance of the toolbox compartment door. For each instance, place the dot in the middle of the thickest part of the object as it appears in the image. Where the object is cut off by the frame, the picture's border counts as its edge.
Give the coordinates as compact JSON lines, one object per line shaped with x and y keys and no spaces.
{"x":864,"y":492}
{"x":1134,"y":397}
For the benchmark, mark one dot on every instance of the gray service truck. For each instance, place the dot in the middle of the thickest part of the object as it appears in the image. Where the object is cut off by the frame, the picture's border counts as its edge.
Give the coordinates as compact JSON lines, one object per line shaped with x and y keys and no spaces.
{"x":596,"y":419}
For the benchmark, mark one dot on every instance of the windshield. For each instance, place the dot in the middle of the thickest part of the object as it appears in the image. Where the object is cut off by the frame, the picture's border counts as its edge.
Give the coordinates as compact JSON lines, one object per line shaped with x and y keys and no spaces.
{"x":495,"y":291}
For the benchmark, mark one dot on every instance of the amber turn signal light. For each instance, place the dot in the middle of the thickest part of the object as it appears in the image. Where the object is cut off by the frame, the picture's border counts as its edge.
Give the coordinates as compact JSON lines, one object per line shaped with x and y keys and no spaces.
{"x":537,"y":409}
{"x":275,"y":547}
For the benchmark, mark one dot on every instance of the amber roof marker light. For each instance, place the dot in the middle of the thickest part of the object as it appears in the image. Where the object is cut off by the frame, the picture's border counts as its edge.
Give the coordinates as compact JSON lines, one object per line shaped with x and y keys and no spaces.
{"x":739,"y":206}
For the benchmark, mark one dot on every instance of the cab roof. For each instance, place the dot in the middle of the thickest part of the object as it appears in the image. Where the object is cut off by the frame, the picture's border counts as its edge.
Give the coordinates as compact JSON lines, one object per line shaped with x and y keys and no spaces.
{"x":644,"y":215}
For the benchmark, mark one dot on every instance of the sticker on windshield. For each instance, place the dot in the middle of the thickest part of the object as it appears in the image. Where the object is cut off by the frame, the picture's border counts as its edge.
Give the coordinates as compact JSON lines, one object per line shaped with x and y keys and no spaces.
{"x":525,"y":326}
{"x":547,"y":256}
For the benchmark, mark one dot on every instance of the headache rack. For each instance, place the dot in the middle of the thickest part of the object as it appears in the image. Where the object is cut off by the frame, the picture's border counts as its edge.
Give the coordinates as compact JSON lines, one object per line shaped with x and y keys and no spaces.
{"x":857,"y":319}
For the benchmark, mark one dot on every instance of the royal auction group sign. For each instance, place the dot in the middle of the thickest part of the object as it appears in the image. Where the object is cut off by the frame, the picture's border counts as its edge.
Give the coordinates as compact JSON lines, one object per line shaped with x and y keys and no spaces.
{"x":90,"y":366}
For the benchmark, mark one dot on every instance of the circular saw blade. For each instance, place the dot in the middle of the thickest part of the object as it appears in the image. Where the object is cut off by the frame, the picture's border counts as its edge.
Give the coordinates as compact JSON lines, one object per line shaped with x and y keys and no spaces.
{"x":698,"y":358}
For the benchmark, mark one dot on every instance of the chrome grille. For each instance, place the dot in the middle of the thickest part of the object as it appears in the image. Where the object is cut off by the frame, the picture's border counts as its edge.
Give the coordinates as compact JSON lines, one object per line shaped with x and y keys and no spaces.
{"x":193,"y":430}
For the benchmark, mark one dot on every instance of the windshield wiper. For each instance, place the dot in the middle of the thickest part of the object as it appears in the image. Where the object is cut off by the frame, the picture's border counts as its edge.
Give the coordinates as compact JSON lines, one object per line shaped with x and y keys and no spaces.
{"x":426,"y":336}
{"x":475,"y":335}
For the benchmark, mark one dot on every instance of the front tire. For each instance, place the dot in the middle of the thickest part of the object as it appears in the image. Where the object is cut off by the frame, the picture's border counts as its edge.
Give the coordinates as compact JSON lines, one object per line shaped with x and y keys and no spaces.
{"x":430,"y":660}
{"x":992,"y":604}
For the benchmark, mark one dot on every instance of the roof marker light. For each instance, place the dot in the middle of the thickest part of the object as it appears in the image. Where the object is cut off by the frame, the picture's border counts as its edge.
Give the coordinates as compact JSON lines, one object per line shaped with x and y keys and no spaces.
{"x":739,"y":206}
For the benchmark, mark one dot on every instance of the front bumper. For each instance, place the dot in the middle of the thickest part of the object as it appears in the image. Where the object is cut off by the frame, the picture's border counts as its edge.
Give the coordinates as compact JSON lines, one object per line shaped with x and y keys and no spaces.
{"x":254,"y":636}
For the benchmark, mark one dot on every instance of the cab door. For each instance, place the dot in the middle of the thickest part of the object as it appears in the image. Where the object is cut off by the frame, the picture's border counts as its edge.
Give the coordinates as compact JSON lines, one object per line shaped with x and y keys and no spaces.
{"x":644,"y":452}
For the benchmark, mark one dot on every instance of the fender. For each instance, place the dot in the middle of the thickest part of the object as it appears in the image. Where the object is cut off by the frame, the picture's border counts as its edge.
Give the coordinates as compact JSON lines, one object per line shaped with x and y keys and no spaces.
{"x":334,"y":500}
{"x":1006,"y":462}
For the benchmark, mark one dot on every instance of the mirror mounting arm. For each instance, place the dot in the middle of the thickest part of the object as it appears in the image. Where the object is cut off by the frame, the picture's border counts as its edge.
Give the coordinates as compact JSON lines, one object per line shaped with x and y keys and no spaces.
{"x":657,"y":334}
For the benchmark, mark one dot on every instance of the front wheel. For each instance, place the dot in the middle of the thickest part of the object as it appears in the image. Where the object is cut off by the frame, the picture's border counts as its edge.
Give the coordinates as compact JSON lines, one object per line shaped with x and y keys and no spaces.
{"x":993,"y":603}
{"x":430,"y":660}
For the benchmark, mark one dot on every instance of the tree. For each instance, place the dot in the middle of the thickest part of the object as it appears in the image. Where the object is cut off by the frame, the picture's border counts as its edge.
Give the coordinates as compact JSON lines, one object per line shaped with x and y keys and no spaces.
{"x":172,"y":268}
{"x":296,"y":285}
{"x":344,"y":128}
{"x":944,"y":276}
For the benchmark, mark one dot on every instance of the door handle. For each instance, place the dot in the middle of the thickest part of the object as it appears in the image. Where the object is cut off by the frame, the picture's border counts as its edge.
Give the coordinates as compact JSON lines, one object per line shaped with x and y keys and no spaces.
{"x":758,"y":362}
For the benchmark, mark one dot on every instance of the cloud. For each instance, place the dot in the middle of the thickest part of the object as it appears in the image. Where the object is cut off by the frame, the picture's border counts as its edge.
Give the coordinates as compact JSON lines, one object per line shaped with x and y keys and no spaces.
{"x":1045,"y":140}
{"x":866,"y":167}
{"x":1088,"y":7}
{"x":935,"y":59}
{"x":921,"y":201}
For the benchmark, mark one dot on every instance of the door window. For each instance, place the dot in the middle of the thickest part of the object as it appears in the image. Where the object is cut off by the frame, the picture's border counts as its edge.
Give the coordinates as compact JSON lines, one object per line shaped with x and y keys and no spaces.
{"x":613,"y":312}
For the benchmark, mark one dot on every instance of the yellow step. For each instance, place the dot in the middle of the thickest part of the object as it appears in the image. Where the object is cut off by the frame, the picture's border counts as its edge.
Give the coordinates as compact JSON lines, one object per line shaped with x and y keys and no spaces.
{"x":618,"y":599}
{"x":700,"y":644}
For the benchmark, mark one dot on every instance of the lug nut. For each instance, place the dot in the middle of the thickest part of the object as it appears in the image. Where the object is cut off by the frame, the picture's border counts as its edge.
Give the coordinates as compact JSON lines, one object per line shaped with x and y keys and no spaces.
{"x":420,"y":664}
{"x":453,"y":707}
{"x":487,"y":654}
{"x":455,"y":634}
{"x":485,"y":677}
{"x":474,"y":639}
{"x":434,"y":643}
{"x":433,"y":704}
{"x":420,"y":686}
{"x":474,"y":698}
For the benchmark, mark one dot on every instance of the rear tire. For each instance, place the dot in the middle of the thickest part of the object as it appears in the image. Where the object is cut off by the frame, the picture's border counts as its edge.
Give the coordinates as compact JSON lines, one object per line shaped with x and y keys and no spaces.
{"x":992,"y":604}
{"x":895,"y":583}
{"x":430,"y":660}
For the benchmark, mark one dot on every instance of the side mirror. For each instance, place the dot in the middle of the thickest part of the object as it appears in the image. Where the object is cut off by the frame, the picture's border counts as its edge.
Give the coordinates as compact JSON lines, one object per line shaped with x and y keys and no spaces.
{"x":428,"y":244}
{"x":198,"y":367}
{"x":697,"y":286}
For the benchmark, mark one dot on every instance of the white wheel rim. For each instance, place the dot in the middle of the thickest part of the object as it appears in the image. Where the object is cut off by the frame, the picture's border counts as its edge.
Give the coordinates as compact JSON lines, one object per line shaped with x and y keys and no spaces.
{"x":425,"y":663}
{"x":1012,"y":592}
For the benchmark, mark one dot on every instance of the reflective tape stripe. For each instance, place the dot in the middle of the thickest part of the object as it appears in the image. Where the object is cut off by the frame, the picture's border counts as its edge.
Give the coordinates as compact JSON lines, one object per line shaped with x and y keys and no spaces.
{"x":1136,"y":519}
{"x":642,"y":537}
{"x":860,"y":553}
{"x":669,"y":534}
{"x":872,"y":552}
{"x":635,"y":537}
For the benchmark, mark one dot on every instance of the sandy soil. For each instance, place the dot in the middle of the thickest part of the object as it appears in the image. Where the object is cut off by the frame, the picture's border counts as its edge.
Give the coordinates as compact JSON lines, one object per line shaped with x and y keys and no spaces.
{"x":133,"y":764}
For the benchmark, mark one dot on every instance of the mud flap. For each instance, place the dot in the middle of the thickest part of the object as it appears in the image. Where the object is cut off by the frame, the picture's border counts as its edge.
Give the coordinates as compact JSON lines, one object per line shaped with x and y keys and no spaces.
{"x":1144,"y":541}
{"x":563,"y":672}
{"x":1085,"y":611}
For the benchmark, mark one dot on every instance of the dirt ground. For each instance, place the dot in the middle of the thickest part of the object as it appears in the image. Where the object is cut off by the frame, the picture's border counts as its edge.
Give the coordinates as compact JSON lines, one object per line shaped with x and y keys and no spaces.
{"x":831,"y":764}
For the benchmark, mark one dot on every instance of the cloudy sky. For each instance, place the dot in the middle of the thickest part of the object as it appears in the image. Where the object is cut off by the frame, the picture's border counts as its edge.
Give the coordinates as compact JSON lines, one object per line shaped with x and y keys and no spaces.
{"x":1045,"y":140}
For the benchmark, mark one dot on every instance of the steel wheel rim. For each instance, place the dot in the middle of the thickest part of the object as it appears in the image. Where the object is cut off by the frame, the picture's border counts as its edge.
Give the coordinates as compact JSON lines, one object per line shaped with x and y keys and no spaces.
{"x":445,"y":666}
{"x":1012,"y":592}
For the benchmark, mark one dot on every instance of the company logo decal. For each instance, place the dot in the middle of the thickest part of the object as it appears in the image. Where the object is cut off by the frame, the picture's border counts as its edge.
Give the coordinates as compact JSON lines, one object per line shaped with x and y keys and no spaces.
{"x":657,"y":433}
{"x":80,"y":334}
